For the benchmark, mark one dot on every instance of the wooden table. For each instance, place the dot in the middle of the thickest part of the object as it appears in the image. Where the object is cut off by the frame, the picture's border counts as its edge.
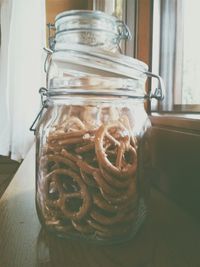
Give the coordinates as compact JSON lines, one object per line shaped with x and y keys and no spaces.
{"x":168,"y":238}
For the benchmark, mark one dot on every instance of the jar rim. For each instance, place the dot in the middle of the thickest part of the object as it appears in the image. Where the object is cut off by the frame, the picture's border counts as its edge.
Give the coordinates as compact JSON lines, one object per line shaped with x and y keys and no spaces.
{"x":91,"y":19}
{"x":91,"y":13}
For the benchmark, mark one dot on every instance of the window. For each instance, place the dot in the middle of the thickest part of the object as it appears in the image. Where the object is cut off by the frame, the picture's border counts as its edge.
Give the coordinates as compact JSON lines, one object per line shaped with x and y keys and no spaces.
{"x":165,"y":38}
{"x":176,"y":53}
{"x":191,"y":53}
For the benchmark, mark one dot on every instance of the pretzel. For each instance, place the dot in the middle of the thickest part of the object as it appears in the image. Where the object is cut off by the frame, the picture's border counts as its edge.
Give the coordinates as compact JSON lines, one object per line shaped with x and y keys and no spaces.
{"x":126,"y":122}
{"x":117,"y":168}
{"x":83,"y":165}
{"x":64,"y":197}
{"x":88,"y":179}
{"x":101,"y":203}
{"x":69,"y":155}
{"x":85,"y":148}
{"x":60,"y":136}
{"x":65,"y":229}
{"x":89,"y":176}
{"x":104,"y":186}
{"x":74,"y":124}
{"x":104,"y":205}
{"x":82,"y":194}
{"x":114,"y":181}
{"x":58,"y":159}
{"x":49,"y":199}
{"x":108,"y":232}
{"x":112,"y":220}
{"x":126,"y":197}
{"x":82,"y":227}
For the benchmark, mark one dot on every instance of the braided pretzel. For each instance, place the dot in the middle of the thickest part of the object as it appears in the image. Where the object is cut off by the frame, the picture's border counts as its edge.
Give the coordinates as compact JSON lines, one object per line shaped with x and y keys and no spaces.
{"x":117,"y":169}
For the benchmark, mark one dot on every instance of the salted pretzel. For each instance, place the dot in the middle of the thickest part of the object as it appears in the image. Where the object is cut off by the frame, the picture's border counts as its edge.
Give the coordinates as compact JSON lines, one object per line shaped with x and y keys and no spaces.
{"x":64,"y":197}
{"x":119,"y":139}
{"x":89,"y":176}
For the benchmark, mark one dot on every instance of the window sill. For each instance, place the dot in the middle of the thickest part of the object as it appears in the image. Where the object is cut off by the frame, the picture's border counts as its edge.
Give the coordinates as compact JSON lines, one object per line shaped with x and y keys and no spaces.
{"x":185,"y":122}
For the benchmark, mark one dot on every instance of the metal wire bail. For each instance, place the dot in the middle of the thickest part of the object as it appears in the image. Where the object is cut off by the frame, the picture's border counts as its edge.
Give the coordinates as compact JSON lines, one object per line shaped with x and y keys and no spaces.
{"x":123,"y":30}
{"x":51,"y":37}
{"x":43,"y":92}
{"x":158,"y":92}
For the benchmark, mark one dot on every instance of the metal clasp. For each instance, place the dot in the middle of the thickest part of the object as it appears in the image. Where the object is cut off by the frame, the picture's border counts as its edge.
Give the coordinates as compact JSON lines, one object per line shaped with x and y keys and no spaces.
{"x":47,"y":59}
{"x":158,"y":92}
{"x":123,"y":30}
{"x":51,"y":37}
{"x":43,"y":92}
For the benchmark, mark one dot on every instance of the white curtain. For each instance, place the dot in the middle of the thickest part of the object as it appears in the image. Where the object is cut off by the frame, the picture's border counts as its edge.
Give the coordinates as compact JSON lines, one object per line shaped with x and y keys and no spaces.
{"x":21,"y":72}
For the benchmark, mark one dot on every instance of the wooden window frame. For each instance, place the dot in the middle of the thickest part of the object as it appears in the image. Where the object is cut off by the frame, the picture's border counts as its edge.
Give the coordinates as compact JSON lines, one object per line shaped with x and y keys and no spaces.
{"x":175,"y":136}
{"x":143,"y":51}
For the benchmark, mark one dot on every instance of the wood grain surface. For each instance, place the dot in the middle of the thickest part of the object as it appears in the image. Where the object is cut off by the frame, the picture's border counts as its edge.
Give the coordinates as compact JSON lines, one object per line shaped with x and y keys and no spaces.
{"x":168,"y":238}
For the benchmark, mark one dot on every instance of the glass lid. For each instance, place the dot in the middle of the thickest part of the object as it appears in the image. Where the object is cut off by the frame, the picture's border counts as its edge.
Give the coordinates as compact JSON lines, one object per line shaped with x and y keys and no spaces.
{"x":97,"y":61}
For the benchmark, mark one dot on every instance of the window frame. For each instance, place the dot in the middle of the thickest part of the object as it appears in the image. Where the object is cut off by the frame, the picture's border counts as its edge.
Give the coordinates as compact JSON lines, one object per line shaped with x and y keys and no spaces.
{"x":144,"y":22}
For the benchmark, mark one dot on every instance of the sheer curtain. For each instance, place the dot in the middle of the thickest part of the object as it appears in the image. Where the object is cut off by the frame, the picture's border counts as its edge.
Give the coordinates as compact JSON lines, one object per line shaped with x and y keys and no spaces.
{"x":21,"y":72}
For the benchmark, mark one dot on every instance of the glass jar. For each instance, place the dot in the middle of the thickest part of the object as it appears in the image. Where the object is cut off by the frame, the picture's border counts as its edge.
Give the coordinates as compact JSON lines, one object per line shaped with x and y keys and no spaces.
{"x":90,"y":139}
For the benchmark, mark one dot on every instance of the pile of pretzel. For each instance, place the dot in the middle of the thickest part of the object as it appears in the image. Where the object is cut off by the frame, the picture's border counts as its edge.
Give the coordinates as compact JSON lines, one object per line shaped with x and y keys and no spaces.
{"x":87,"y":183}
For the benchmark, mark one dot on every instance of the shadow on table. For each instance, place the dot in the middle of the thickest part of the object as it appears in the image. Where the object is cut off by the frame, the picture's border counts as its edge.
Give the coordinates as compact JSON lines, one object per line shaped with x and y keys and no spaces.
{"x":55,"y":251}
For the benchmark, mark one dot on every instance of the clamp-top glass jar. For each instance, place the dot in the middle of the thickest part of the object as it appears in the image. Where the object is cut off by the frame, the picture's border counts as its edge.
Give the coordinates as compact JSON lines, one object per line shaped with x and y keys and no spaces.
{"x":90,"y":160}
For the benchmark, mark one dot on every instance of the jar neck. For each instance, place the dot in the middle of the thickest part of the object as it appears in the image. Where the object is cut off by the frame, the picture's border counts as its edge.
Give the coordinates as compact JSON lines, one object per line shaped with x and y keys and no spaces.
{"x":99,"y":86}
{"x":94,"y":100}
{"x":94,"y":38}
{"x":90,"y":28}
